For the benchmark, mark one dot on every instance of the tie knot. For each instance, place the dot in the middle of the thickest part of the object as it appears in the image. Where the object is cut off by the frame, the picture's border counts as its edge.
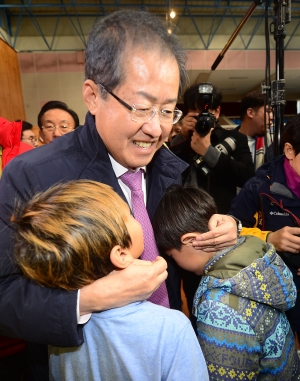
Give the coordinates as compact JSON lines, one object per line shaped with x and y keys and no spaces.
{"x":133,"y":180}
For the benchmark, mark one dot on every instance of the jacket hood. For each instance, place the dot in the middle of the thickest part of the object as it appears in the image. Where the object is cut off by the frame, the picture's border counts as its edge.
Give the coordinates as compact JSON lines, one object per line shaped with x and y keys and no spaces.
{"x":10,"y":140}
{"x":253,"y":270}
{"x":10,"y":137}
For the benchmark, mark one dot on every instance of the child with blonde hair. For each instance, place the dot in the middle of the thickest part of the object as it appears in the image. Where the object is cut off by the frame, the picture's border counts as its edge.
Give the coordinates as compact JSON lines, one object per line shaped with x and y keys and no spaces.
{"x":69,"y":236}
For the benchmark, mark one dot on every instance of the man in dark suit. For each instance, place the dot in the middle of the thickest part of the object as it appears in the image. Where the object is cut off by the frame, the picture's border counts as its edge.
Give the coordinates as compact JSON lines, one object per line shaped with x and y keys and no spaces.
{"x":134,"y":70}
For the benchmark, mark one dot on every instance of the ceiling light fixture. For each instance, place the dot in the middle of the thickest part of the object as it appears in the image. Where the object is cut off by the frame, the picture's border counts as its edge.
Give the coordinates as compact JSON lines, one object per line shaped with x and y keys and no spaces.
{"x":172,"y":14}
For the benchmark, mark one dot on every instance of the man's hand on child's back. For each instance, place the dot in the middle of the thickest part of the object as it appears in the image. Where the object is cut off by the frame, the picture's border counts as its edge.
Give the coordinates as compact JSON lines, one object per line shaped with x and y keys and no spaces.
{"x":222,"y":233}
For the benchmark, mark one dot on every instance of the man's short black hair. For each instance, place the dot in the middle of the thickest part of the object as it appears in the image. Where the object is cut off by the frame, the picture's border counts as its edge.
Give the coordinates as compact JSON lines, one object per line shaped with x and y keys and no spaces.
{"x":254,"y":100}
{"x":60,"y":105}
{"x":183,"y":209}
{"x":191,"y":98}
{"x":25,"y":125}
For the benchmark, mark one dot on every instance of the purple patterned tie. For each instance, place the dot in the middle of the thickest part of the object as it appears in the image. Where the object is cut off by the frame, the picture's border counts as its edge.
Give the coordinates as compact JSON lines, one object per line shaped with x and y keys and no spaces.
{"x":134,"y":181}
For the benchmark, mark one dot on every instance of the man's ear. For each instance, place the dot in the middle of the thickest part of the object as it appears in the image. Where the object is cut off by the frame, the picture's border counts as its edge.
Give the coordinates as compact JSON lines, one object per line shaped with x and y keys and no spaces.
{"x":289,"y":151}
{"x":217,"y":112}
{"x":120,"y":257}
{"x":91,"y":95}
{"x":41,"y":134}
{"x":250,"y":112}
{"x":188,"y":238}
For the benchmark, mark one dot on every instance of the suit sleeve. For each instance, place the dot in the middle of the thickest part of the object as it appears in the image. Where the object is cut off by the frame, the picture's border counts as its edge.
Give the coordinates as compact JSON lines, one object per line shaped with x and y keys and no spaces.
{"x":236,"y":167}
{"x":27,"y":310}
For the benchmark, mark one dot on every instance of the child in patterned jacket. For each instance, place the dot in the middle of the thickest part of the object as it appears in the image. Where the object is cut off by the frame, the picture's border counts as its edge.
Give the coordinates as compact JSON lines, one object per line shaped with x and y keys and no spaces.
{"x":243,"y":293}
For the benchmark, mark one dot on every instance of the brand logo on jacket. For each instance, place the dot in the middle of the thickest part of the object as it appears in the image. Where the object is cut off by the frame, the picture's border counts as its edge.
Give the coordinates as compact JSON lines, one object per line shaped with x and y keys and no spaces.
{"x":278,"y":214}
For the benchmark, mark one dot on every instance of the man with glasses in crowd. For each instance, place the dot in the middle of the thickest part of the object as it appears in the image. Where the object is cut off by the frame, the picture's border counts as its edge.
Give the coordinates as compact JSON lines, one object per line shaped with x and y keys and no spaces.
{"x":56,"y":119}
{"x":28,"y":136}
{"x":134,"y":71}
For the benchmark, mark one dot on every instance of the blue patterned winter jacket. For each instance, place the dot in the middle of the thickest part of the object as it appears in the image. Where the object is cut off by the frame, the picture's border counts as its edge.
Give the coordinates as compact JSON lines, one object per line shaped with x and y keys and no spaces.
{"x":240,"y":303}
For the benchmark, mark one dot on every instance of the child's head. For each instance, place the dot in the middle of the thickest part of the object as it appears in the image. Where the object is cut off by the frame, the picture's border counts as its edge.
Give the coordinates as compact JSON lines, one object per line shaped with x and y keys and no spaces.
{"x":182,"y":214}
{"x":74,"y":233}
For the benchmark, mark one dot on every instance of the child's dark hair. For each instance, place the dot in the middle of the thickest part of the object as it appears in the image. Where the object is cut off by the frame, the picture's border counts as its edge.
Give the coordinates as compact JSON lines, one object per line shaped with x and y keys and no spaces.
{"x":182,"y":210}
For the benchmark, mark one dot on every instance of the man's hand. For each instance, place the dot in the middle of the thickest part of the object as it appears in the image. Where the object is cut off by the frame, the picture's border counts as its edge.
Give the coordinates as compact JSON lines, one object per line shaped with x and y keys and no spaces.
{"x":137,"y":282}
{"x":188,"y":123}
{"x":286,"y":239}
{"x":200,"y":144}
{"x":223,"y":233}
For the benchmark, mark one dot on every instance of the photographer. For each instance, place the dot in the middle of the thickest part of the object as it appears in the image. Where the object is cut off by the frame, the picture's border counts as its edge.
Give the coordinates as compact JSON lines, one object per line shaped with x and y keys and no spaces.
{"x":220,"y":159}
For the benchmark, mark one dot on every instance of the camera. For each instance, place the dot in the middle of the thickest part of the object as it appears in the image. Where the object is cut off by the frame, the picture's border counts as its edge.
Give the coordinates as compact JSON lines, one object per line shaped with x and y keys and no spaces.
{"x":206,"y":120}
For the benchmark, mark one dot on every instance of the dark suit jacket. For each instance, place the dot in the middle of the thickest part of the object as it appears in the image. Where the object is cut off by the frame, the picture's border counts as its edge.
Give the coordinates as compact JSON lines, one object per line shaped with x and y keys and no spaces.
{"x":43,"y":315}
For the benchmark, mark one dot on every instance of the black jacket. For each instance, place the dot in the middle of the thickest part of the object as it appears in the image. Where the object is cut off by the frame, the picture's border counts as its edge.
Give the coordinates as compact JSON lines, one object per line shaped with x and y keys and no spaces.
{"x":40,"y":314}
{"x":225,"y":172}
{"x":268,"y":195}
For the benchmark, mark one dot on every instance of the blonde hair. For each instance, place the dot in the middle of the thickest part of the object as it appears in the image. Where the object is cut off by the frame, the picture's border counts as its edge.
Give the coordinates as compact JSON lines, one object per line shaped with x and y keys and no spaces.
{"x":64,"y":235}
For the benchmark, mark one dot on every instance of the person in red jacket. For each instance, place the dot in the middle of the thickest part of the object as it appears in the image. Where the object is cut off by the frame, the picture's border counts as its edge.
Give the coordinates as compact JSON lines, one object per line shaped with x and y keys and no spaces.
{"x":10,"y":141}
{"x":11,"y":349}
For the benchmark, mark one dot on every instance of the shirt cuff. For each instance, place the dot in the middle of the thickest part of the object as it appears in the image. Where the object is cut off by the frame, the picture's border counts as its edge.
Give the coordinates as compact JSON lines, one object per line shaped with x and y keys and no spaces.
{"x":84,"y":318}
{"x":211,"y":156}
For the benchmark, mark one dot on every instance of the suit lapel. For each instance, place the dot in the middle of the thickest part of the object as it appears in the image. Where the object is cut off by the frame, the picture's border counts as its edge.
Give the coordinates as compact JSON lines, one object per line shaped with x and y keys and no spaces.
{"x":164,"y":170}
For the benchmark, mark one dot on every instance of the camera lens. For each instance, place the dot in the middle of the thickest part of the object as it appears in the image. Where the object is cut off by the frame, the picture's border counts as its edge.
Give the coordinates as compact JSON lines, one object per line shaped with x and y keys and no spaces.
{"x":204,"y":124}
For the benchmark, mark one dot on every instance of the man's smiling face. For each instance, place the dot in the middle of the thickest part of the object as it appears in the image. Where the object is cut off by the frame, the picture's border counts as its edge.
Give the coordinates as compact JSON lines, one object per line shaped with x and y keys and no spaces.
{"x":152,"y":79}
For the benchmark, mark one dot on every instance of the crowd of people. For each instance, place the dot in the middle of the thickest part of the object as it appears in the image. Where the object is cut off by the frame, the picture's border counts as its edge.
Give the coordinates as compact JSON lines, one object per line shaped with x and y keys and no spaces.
{"x":97,"y":231}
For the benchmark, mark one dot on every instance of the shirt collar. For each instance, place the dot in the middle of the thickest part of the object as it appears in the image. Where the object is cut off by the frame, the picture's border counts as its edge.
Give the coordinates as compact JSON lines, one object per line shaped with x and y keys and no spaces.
{"x":119,"y":169}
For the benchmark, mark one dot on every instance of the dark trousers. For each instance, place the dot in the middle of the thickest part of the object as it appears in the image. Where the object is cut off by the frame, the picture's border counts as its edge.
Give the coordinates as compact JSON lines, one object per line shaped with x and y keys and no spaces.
{"x":12,"y":367}
{"x":36,"y":362}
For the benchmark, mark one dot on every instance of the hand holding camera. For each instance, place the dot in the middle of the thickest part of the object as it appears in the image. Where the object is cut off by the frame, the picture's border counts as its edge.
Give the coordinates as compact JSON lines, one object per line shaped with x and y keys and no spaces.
{"x":200,"y":144}
{"x":188,"y":123}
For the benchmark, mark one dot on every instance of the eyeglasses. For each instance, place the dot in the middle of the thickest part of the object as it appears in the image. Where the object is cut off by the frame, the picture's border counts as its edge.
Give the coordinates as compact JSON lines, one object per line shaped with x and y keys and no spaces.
{"x":142,"y":113}
{"x":51,"y":127}
{"x":31,"y":138}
